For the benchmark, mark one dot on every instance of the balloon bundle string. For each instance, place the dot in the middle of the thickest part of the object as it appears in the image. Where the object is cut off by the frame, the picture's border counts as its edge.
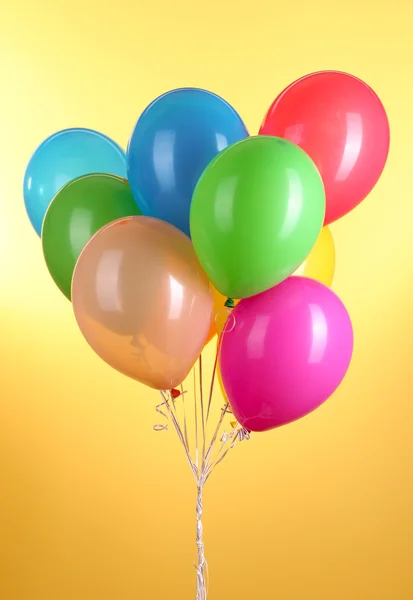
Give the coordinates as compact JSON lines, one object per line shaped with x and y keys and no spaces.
{"x":206,"y":454}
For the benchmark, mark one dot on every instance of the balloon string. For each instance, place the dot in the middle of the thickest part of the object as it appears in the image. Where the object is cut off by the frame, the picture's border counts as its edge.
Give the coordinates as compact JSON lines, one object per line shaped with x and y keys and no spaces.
{"x":185,"y":422}
{"x":239,"y":433}
{"x":178,"y":430}
{"x":204,"y":462}
{"x":216,"y":432}
{"x":201,"y":395}
{"x":201,"y":567}
{"x":211,"y":389}
{"x":225,"y":330}
{"x":160,"y":426}
{"x":196,"y":422}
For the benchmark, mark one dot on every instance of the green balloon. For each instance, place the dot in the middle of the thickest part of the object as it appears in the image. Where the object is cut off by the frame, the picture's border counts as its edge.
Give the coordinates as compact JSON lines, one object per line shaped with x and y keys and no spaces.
{"x":77,"y":212}
{"x":256,"y":213}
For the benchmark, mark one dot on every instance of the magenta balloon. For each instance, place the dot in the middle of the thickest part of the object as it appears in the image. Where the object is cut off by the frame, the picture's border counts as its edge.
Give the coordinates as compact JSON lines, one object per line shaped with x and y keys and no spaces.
{"x":289,"y":350}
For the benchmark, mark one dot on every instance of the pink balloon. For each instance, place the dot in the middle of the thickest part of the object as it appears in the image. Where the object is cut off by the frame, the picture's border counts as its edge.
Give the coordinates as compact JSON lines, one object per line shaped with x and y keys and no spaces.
{"x":289,"y":350}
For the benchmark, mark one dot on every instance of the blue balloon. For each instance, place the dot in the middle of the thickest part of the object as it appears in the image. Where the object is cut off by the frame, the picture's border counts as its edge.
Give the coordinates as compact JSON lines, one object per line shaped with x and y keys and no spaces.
{"x":62,"y":157}
{"x":175,"y":138}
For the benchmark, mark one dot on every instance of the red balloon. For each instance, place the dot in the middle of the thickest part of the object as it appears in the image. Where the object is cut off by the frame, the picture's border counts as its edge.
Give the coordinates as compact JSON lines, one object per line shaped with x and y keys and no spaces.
{"x":341,"y":123}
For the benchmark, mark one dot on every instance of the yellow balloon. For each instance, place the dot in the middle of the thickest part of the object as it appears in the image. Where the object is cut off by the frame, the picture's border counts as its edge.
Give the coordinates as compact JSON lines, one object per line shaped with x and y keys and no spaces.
{"x":321,"y":262}
{"x":319,"y":265}
{"x":219,"y":307}
{"x":232,"y":419}
{"x":218,"y":376}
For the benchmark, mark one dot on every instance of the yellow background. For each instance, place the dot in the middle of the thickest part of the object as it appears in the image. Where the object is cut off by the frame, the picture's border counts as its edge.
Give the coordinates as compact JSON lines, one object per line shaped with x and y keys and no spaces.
{"x":94,"y":504}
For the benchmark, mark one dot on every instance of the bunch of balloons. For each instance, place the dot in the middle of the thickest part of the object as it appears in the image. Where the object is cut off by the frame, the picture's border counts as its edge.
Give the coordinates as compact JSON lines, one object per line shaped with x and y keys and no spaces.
{"x":149,"y":245}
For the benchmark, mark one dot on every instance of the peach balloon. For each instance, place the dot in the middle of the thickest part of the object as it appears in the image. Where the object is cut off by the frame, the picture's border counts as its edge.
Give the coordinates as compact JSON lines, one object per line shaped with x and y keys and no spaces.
{"x":142,"y":301}
{"x":321,"y":262}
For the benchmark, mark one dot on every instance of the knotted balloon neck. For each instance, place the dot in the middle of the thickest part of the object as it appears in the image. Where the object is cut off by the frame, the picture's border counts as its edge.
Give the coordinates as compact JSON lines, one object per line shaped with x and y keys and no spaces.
{"x":230,"y":303}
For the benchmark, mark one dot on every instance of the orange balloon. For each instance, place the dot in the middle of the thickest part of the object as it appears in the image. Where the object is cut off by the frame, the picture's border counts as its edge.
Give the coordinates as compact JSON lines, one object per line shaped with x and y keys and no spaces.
{"x":319,"y":265}
{"x":142,"y":301}
{"x":219,"y":313}
{"x":219,"y":378}
{"x":223,"y":392}
{"x":321,"y":262}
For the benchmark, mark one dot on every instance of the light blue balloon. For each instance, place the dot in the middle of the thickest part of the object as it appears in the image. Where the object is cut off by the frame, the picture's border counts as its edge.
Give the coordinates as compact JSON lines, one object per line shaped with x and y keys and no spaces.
{"x":173,"y":141}
{"x":64,"y":156}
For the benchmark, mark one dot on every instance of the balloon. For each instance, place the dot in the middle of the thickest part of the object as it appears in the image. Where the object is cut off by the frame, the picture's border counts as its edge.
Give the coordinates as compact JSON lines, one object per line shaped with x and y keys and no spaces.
{"x":256,"y":213}
{"x":62,"y":157}
{"x":219,"y":314}
{"x":172,"y":143}
{"x":77,"y":212}
{"x":320,"y":263}
{"x":288,"y":352}
{"x":341,"y":123}
{"x":218,"y":374}
{"x":142,"y":301}
{"x":221,"y":385}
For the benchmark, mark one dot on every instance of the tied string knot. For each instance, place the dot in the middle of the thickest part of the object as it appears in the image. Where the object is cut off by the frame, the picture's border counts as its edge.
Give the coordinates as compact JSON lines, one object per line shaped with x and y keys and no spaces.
{"x":240,"y":434}
{"x":230,"y":303}
{"x":243,"y":434}
{"x":159,"y":409}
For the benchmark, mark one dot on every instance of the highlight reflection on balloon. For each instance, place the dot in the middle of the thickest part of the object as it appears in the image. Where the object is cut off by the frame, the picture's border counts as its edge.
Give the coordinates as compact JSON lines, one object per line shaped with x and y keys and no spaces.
{"x":77,"y":212}
{"x":173,"y":141}
{"x":256,"y":212}
{"x":342,"y":125}
{"x":288,"y":352}
{"x":142,"y":301}
{"x":62,"y":157}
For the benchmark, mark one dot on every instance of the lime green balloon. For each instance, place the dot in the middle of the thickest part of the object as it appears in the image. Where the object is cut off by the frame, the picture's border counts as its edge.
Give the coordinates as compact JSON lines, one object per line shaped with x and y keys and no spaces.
{"x":256,"y":213}
{"x":77,"y":212}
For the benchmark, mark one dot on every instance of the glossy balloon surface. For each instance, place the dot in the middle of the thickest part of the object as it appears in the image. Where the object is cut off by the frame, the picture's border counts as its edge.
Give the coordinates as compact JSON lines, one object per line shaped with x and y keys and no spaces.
{"x":256,"y":213}
{"x":62,"y":157}
{"x":77,"y":212}
{"x":341,"y":123}
{"x":172,"y":143}
{"x":142,"y":301}
{"x":289,"y":350}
